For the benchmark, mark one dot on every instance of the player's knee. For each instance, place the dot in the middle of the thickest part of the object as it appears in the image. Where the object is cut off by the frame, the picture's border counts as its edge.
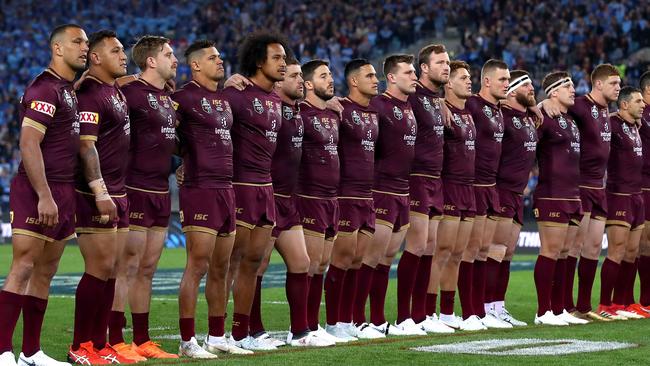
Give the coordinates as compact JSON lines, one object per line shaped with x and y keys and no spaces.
{"x":21,"y":270}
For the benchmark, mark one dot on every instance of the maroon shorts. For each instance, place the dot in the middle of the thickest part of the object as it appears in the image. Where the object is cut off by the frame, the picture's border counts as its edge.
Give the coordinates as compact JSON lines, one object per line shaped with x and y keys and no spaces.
{"x":148,"y":209}
{"x":626,"y":210}
{"x":487,"y":200}
{"x":557,"y":211}
{"x":646,"y":203}
{"x":88,"y":217}
{"x":460,"y":201}
{"x":286,"y":214}
{"x":392,"y":210}
{"x":208,"y":210}
{"x":255,"y":205}
{"x":319,"y":216}
{"x":356,"y":214}
{"x":594,"y":202}
{"x":512,"y":205}
{"x":426,"y":196}
{"x":23,"y":206}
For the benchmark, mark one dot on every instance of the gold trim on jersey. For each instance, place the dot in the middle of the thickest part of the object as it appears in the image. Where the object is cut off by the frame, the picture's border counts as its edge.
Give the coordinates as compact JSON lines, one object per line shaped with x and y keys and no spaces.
{"x":88,"y":138}
{"x":122,"y":229}
{"x":404,"y":227}
{"x":202,"y":229}
{"x":645,"y":189}
{"x":354,"y":198}
{"x":467,"y":219}
{"x":590,"y":187}
{"x":70,"y":237}
{"x":252,"y":184}
{"x":313,"y":233}
{"x":552,"y":224}
{"x":244,"y":224}
{"x":484,"y":185}
{"x":425,"y":175}
{"x":450,"y":218}
{"x":418,"y":214}
{"x":391,"y":193}
{"x":137,"y":228}
{"x":146,"y":190}
{"x":618,"y":223}
{"x":92,"y":194}
{"x":367,"y":233}
{"x":33,"y":234}
{"x":621,"y":194}
{"x":640,"y":227}
{"x":384,"y":223}
{"x":599,"y":218}
{"x":96,"y":230}
{"x":316,"y":198}
{"x":346,"y":234}
{"x":481,"y":216}
{"x":436,"y":218}
{"x":28,"y":122}
{"x":158,"y":228}
{"x":558,"y":199}
{"x":281,"y":195}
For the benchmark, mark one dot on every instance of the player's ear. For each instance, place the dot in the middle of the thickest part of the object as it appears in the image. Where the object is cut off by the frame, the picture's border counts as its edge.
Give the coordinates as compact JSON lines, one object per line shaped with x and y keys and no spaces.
{"x":151,"y":62}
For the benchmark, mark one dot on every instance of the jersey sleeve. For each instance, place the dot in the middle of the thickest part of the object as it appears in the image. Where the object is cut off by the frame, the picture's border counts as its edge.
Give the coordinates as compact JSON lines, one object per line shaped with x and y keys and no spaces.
{"x":41,"y":103}
{"x":89,"y":116}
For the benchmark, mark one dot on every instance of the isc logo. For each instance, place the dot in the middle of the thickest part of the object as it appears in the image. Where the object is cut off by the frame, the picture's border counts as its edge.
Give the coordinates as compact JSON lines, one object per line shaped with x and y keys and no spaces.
{"x":136,"y":215}
{"x":621,"y":213}
{"x":344,"y":222}
{"x":307,"y":220}
{"x":33,"y":220}
{"x":381,"y":211}
{"x":554,"y":214}
{"x":200,"y":217}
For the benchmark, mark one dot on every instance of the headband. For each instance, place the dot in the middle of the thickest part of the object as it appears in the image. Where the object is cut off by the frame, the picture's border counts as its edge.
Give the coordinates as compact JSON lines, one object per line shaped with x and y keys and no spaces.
{"x":522,"y":80}
{"x":556,"y":85}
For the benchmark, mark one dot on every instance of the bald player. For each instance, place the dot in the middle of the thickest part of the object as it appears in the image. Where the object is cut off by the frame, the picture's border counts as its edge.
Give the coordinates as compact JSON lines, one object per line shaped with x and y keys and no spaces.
{"x":42,"y":197}
{"x":486,"y":112}
{"x":644,"y":246}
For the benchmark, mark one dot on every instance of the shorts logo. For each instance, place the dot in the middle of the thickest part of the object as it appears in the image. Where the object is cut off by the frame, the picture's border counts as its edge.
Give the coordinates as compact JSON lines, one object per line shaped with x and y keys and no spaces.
{"x":239,"y":210}
{"x":307,"y":220}
{"x":621,"y":213}
{"x":449,"y":207}
{"x":43,"y":107}
{"x":516,"y":122}
{"x":68,"y":98}
{"x":426,"y":104}
{"x":356,"y":118}
{"x":536,"y":213}
{"x":153,"y":102}
{"x":562,"y":123}
{"x":555,"y":214}
{"x":594,"y":112}
{"x":257,"y":106}
{"x":345,"y":223}
{"x":415,"y":203}
{"x":205,"y":105}
{"x":89,"y":117}
{"x":381,"y":211}
{"x":200,"y":217}
{"x":136,"y":215}
{"x":33,"y":221}
{"x":287,"y":112}
{"x":488,"y":111}
{"x":397,"y":113}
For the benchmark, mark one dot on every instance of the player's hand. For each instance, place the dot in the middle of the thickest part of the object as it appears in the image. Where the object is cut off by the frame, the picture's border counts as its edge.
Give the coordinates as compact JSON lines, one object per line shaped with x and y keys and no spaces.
{"x":107,"y":210}
{"x":180,"y":175}
{"x":538,"y":113}
{"x":48,"y":212}
{"x":550,"y":108}
{"x":238,"y":82}
{"x":335,"y":105}
{"x":446,"y":113}
{"x":83,"y":76}
{"x":121,"y":81}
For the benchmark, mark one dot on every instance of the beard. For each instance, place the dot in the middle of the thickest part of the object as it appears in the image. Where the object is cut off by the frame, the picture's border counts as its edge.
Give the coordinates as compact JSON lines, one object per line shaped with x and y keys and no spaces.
{"x":323,"y":93}
{"x":525,"y":99}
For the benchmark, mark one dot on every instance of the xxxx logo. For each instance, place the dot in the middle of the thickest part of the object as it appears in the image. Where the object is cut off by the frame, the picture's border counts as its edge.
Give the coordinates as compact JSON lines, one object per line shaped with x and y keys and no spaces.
{"x":43,"y":107}
{"x":89,"y":117}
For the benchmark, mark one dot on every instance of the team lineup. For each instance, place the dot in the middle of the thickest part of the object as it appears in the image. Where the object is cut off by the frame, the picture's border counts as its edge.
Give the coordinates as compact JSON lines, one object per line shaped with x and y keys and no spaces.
{"x":337,"y":185}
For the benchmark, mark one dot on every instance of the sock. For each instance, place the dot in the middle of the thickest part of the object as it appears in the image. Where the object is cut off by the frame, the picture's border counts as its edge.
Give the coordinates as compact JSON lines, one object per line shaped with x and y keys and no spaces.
{"x":644,"y":280}
{"x":498,"y":306}
{"x":348,"y":295}
{"x":557,"y":299}
{"x":631,"y":279}
{"x":447,"y":302}
{"x":333,"y":287}
{"x":187,"y":328}
{"x":419,"y":298}
{"x":465,"y":278}
{"x":239,"y":326}
{"x":364,"y":283}
{"x":608,"y":276}
{"x":10,"y":306}
{"x":478,"y":288}
{"x":491,"y":279}
{"x":586,"y":276}
{"x":569,"y":278}
{"x":216,"y":326}
{"x":313,"y":301}
{"x":406,"y":274}
{"x":103,"y":313}
{"x":140,"y":328}
{"x":543,"y":274}
{"x":255,"y":319}
{"x":502,"y":282}
{"x":33,"y":314}
{"x":378,"y":294}
{"x":116,"y":322}
{"x":297,"y":288}
{"x":86,"y":307}
{"x":620,"y":286}
{"x":432,"y":299}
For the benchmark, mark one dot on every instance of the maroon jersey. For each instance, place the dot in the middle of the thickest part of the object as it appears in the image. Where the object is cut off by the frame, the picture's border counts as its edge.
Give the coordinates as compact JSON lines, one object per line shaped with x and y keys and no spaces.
{"x":357,"y":138}
{"x":431,"y":131}
{"x":153,"y":135}
{"x":104,"y":118}
{"x":319,"y":166}
{"x":286,"y":161}
{"x":558,"y":157}
{"x":396,"y":144}
{"x":518,"y":151}
{"x":50,"y":102}
{"x":488,"y":121}
{"x":256,"y":122}
{"x":593,"y":122}
{"x":644,"y":131}
{"x":205,"y":119}
{"x":460,"y":149}
{"x":626,"y":158}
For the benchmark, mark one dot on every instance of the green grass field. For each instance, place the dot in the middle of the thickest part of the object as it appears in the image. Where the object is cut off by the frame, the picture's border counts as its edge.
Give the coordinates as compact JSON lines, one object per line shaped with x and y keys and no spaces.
{"x":521,"y":300}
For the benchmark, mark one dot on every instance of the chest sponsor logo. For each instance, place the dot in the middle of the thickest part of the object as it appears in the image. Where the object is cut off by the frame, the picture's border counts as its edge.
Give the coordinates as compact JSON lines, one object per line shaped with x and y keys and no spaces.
{"x":562,"y":122}
{"x":153,"y":102}
{"x":89,"y":117}
{"x":43,"y":107}
{"x":287,"y":112}
{"x":516,"y":122}
{"x":257,"y":106}
{"x":205,"y":105}
{"x":398,"y":113}
{"x":356,"y":118}
{"x":594,"y":112}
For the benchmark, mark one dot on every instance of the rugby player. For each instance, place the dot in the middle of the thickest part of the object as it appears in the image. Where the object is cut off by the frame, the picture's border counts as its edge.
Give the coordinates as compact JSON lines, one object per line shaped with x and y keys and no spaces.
{"x":153,"y":140}
{"x":644,"y":246}
{"x":517,"y":159}
{"x":42,"y":196}
{"x":626,"y":216}
{"x":425,"y":190}
{"x":105,"y":136}
{"x":486,"y":112}
{"x":459,"y":201}
{"x":557,"y":205}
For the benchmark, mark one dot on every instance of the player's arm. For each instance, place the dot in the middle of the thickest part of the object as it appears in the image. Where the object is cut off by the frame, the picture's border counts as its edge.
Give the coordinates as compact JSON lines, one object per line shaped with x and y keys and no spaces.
{"x":446,"y":113}
{"x":31,"y":136}
{"x":237,"y":81}
{"x":92,"y":171}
